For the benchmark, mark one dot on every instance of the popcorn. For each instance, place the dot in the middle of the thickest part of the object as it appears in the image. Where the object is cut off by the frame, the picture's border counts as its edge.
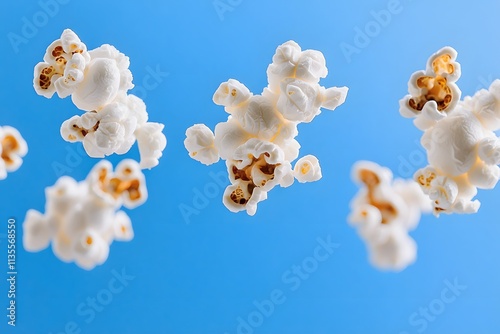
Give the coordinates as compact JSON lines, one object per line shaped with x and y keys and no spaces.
{"x":200,"y":144}
{"x":258,"y":139}
{"x":384,"y":211}
{"x":307,"y":169}
{"x":433,"y":92}
{"x":12,"y":149}
{"x":63,"y":66}
{"x":98,"y":81}
{"x":462,"y":149}
{"x":82,"y":219}
{"x":151,"y":143}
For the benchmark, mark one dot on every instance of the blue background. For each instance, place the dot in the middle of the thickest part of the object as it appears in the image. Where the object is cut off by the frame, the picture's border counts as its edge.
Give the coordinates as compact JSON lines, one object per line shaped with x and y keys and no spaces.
{"x":200,"y":277}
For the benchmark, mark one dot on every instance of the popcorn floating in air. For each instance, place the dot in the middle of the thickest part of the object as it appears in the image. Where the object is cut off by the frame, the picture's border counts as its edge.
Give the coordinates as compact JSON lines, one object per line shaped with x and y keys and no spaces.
{"x":258,"y":139}
{"x":98,"y":81}
{"x":463,"y":150}
{"x":12,"y":149}
{"x":82,"y":219}
{"x":384,"y":211}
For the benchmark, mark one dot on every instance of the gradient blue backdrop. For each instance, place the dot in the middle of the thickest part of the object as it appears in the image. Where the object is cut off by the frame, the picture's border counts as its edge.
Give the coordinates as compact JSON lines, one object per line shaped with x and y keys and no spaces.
{"x":200,"y":277}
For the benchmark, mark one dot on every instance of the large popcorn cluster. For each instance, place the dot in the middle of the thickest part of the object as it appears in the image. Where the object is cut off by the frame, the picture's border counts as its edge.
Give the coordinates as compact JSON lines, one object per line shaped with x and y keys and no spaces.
{"x":384,"y":211}
{"x":463,"y":150}
{"x":12,"y":149}
{"x":81,"y":219}
{"x":257,"y":140}
{"x":98,"y":81}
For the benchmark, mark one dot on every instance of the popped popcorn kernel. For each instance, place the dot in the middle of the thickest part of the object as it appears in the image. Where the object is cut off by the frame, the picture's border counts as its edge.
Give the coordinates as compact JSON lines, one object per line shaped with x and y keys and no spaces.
{"x":463,"y":151}
{"x":12,"y":149}
{"x":200,"y":144}
{"x":258,"y":139}
{"x":307,"y":169}
{"x":98,"y":81}
{"x":82,"y":219}
{"x":433,"y":93}
{"x":384,"y":211}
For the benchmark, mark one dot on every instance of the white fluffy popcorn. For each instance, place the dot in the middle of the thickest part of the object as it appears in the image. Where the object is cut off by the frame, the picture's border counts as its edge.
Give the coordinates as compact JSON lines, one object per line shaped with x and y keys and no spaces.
{"x":98,"y":81}
{"x":462,"y":149}
{"x":307,"y":169}
{"x":258,"y":139}
{"x":384,"y":211}
{"x":200,"y":144}
{"x":82,"y":219}
{"x":12,"y":149}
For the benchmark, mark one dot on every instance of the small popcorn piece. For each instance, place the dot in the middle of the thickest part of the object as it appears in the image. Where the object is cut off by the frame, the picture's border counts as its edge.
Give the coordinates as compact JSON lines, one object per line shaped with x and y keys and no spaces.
{"x":107,"y":75}
{"x":37,"y":231}
{"x":231,"y":94}
{"x":307,"y":169}
{"x":443,"y":192}
{"x":125,"y":186}
{"x":290,"y":62}
{"x":299,"y":101}
{"x":110,"y":131}
{"x":260,"y":162}
{"x":152,"y":142}
{"x":12,"y":149}
{"x":258,"y":139}
{"x":115,"y":128}
{"x":433,"y":92}
{"x":243,"y":196}
{"x":448,"y":194}
{"x":200,"y":144}
{"x":82,"y":219}
{"x":63,"y":66}
{"x":384,"y":211}
{"x":256,"y":168}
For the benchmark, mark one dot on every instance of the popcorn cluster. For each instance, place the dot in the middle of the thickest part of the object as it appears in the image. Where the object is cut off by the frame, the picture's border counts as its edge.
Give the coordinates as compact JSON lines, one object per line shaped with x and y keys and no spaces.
{"x":12,"y":149}
{"x":384,"y":211}
{"x":463,"y":150}
{"x":81,"y":219}
{"x":258,"y":139}
{"x":98,"y":81}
